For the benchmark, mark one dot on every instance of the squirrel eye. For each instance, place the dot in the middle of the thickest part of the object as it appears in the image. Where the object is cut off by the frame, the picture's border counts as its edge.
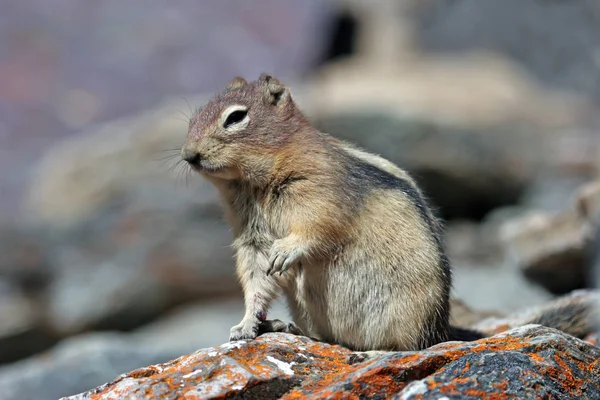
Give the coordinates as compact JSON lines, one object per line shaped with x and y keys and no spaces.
{"x":235,"y":117}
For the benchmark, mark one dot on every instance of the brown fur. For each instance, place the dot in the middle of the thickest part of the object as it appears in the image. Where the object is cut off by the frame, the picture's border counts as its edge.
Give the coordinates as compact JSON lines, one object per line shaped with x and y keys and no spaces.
{"x":365,"y":266}
{"x":344,"y":234}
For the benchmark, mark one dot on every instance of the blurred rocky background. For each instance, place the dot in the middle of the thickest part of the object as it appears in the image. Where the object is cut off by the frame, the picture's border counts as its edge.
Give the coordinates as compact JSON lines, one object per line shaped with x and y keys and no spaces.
{"x":111,"y":259}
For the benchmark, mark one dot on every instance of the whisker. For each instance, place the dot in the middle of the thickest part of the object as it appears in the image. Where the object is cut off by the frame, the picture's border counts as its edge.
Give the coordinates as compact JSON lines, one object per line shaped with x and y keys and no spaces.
{"x":166,"y":155}
{"x":181,"y":173}
{"x":166,"y":160}
{"x":190,"y":107}
{"x":184,"y":114}
{"x":175,"y":165}
{"x":173,"y":149}
{"x":185,"y":120}
{"x":187,"y":176}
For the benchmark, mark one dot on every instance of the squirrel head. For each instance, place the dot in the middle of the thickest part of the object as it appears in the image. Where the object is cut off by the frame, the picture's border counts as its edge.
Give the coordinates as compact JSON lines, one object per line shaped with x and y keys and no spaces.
{"x":240,"y":132}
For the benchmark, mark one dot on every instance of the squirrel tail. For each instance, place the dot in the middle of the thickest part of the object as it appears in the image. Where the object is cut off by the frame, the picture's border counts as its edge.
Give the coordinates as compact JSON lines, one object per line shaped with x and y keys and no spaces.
{"x":577,"y":318}
{"x":577,"y":314}
{"x":464,"y":334}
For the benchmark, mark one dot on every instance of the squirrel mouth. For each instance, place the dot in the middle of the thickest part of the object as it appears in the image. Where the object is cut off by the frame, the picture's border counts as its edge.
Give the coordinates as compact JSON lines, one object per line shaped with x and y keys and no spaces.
{"x":206,"y":168}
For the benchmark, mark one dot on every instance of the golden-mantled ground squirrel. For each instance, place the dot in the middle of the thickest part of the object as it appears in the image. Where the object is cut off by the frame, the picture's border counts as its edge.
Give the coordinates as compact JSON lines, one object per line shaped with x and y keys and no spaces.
{"x":346,"y":235}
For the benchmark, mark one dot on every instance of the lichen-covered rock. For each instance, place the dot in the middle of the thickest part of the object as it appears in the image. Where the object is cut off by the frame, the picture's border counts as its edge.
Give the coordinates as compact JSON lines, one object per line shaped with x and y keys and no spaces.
{"x":266,"y":368}
{"x":526,"y":362}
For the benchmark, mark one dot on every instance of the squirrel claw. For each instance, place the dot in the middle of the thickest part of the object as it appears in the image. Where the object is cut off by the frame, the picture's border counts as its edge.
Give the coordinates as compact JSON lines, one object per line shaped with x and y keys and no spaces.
{"x":282,"y":258}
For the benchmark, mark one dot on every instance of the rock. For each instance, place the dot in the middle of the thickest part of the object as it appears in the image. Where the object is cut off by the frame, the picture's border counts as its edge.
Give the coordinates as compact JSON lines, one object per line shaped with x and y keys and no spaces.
{"x":126,"y":241}
{"x":138,"y":264}
{"x":474,"y":128}
{"x":75,"y":365}
{"x":497,"y":286}
{"x":102,"y":77}
{"x":588,"y":202}
{"x":186,"y":329}
{"x":554,"y":40}
{"x":25,"y":261}
{"x":470,"y":174}
{"x":469,"y":242}
{"x":474,"y":133}
{"x":585,"y":303}
{"x":594,"y":272}
{"x":25,"y":274}
{"x":521,"y":363}
{"x":483,"y":279}
{"x":551,"y":248}
{"x":88,"y":360}
{"x":463,"y":315}
{"x":550,"y":192}
{"x":22,"y":332}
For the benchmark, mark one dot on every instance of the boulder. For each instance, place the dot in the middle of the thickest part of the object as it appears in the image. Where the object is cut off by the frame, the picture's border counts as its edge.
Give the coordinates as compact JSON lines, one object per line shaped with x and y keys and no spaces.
{"x":594,"y":272}
{"x":584,"y":303}
{"x":549,"y":248}
{"x":530,"y":361}
{"x":463,"y":315}
{"x":465,"y":174}
{"x":22,"y":332}
{"x":552,"y":248}
{"x":99,"y":76}
{"x":25,"y":274}
{"x":474,"y":127}
{"x":588,"y":202}
{"x":77,"y":364}
{"x":127,"y":231}
{"x":474,"y":131}
{"x":554,"y":40}
{"x":125,"y":237}
{"x":88,"y":360}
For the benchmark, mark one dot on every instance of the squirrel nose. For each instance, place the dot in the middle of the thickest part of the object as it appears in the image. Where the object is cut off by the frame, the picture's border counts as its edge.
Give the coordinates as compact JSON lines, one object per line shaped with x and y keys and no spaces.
{"x":192,"y":156}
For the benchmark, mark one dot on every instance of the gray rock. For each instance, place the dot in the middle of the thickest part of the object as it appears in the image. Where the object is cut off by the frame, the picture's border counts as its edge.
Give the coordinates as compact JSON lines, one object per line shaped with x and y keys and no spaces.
{"x":465,"y":173}
{"x":75,"y":365}
{"x":594,"y":276}
{"x":170,"y":259}
{"x":557,"y":41}
{"x":22,"y":332}
{"x":551,"y":248}
{"x":496,"y":287}
{"x":199,"y":325}
{"x":113,"y":62}
{"x":578,"y":313}
{"x":89,"y":360}
{"x":126,"y":241}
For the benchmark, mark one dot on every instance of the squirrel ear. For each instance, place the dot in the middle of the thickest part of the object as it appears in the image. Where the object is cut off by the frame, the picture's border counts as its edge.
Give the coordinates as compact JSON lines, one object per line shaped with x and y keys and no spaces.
{"x":236,"y":83}
{"x":275,"y":92}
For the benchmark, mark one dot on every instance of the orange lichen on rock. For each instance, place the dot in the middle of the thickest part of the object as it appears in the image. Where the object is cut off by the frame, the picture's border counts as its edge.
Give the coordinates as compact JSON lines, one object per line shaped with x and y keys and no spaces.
{"x":526,"y":362}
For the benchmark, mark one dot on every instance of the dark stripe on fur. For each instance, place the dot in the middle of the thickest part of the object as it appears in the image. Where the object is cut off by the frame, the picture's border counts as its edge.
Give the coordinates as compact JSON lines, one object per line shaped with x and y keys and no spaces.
{"x":279,"y":187}
{"x":464,"y":334}
{"x":576,"y":319}
{"x":364,"y":174}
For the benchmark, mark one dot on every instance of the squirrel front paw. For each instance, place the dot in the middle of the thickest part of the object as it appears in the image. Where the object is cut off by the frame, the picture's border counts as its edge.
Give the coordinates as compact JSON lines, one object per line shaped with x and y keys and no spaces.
{"x":244,"y":330}
{"x":284,"y":254}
